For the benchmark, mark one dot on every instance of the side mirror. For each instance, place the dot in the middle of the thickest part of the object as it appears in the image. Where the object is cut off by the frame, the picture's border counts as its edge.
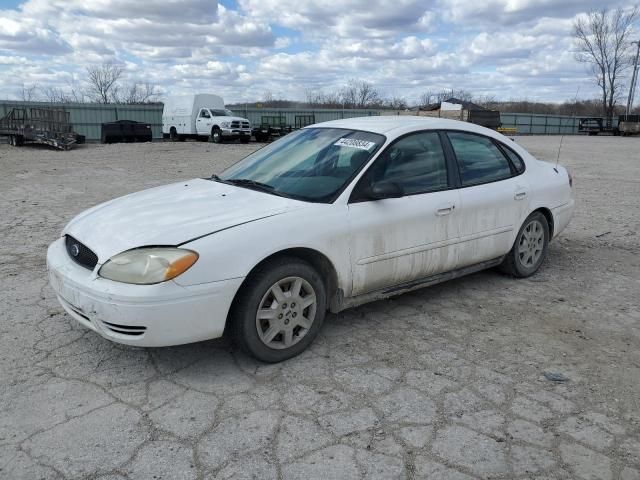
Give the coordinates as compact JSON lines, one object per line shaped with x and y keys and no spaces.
{"x":381,"y":190}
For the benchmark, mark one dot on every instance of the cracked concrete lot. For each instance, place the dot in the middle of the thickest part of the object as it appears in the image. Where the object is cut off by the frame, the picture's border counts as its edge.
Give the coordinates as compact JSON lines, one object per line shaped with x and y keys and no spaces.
{"x":443,"y":383}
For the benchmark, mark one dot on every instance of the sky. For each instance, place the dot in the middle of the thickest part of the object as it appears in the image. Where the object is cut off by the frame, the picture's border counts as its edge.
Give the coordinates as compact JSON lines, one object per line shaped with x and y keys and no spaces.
{"x":242,"y":49}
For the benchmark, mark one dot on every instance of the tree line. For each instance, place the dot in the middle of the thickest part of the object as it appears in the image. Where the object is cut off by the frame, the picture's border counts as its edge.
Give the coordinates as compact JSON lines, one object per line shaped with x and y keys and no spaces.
{"x":103,"y":84}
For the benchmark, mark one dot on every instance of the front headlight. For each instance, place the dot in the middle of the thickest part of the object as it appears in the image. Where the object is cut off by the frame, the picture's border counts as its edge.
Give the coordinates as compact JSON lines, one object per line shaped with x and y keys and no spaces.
{"x":225,"y":124}
{"x":145,"y":266}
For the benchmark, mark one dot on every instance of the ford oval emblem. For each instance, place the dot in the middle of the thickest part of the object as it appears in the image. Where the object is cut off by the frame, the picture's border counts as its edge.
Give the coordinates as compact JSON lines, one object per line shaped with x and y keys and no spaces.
{"x":75,"y":250}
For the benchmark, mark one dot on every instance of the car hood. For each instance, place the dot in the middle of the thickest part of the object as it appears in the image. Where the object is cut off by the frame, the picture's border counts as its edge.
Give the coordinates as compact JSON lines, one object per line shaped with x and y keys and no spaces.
{"x":231,"y":119}
{"x":171,"y":215}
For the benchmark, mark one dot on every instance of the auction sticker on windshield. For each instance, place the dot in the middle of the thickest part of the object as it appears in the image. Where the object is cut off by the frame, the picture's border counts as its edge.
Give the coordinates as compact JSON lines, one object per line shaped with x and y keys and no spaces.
{"x":354,"y":143}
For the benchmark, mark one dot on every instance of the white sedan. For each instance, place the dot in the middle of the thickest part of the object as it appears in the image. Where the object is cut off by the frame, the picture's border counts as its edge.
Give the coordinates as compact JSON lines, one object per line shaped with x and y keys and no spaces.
{"x":331,"y":216}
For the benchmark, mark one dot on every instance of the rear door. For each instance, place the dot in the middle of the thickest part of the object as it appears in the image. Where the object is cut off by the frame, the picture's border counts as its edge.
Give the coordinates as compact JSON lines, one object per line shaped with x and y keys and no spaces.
{"x":493,"y":195}
{"x":397,"y":240}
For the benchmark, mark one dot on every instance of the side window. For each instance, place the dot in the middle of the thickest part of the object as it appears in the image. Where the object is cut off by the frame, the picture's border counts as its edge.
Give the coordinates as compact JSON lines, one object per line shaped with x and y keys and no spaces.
{"x":204,"y":114}
{"x":479,"y":159}
{"x":416,"y":162}
{"x":514,"y":157}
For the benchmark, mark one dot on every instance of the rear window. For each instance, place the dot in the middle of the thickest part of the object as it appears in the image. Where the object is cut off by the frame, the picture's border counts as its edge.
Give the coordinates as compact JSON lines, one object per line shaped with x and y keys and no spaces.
{"x":515,"y":158}
{"x":479,"y":159}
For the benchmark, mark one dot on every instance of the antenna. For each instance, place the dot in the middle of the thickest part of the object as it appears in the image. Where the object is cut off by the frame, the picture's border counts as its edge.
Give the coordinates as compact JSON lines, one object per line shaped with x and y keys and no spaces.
{"x":575,"y":103}
{"x":559,"y":148}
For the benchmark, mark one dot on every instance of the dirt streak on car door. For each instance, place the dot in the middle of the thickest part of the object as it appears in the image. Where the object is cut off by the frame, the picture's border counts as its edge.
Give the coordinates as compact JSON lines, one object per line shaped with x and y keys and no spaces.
{"x":397,"y":240}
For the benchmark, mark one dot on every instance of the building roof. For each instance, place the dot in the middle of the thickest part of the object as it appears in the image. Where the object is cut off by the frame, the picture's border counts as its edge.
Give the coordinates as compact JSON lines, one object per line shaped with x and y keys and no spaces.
{"x":466,"y":105}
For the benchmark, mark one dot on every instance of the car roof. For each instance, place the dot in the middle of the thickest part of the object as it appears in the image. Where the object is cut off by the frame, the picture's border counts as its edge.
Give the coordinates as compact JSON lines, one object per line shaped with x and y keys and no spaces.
{"x":395,"y":125}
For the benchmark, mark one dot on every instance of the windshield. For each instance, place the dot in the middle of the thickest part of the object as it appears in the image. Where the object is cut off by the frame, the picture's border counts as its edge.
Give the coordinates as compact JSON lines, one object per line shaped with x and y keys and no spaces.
{"x":221,"y":113}
{"x":312,"y":164}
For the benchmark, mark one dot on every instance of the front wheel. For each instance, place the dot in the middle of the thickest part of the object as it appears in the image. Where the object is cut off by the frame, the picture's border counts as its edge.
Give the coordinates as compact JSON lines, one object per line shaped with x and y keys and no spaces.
{"x":279,"y":310}
{"x":216,"y":135}
{"x":530,"y":248}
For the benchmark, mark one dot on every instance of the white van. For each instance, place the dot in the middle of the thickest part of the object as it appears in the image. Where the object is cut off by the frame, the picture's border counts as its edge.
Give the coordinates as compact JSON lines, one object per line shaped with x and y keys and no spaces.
{"x":202,"y":116}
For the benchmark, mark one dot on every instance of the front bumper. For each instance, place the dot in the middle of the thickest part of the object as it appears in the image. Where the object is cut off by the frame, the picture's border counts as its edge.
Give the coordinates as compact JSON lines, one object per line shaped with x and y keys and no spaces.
{"x":143,"y":315}
{"x":236,"y":132}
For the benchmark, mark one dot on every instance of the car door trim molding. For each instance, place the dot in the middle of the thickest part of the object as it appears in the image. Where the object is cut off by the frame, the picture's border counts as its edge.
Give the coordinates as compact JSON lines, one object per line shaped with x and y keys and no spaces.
{"x":434,"y":245}
{"x":340,"y":302}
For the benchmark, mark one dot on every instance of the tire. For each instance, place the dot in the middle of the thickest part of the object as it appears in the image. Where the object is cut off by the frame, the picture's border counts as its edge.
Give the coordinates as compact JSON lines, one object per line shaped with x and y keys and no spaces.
{"x":245,"y":139}
{"x":216,"y":135}
{"x":278,"y":337}
{"x":12,"y":140}
{"x":526,"y":255}
{"x":173,"y":134}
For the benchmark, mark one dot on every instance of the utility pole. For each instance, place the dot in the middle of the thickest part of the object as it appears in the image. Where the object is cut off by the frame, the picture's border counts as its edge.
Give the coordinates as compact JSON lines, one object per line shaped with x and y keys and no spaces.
{"x":634,"y":79}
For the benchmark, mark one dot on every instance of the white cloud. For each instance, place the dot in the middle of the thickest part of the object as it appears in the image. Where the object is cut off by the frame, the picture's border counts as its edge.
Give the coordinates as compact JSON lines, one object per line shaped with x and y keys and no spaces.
{"x":509,"y":48}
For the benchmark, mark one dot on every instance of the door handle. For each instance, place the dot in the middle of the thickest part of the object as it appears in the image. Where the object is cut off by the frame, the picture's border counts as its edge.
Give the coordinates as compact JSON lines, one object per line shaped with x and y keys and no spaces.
{"x":520,"y":195}
{"x":445,"y":210}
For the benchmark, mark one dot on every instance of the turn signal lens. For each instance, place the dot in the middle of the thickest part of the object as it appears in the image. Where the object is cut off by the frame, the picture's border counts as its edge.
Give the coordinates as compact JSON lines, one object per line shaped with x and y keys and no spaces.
{"x":146,"y":266}
{"x":180,"y":265}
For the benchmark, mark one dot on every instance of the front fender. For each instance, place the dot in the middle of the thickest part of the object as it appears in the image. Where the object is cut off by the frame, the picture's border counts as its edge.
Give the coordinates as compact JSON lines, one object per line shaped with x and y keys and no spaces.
{"x":234,"y":252}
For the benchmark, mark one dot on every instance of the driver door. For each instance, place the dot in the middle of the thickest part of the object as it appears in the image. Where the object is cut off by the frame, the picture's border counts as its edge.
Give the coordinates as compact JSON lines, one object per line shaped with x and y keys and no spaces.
{"x":204,"y":122}
{"x":399,"y":240}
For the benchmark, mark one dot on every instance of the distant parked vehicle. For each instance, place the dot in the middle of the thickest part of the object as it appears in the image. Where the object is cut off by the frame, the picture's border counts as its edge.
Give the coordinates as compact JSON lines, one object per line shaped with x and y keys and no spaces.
{"x":596,"y":125}
{"x":590,"y":126}
{"x":42,"y":125}
{"x":629,"y":124}
{"x":276,"y":126}
{"x":126,"y":131}
{"x":326,"y":218}
{"x":200,"y":117}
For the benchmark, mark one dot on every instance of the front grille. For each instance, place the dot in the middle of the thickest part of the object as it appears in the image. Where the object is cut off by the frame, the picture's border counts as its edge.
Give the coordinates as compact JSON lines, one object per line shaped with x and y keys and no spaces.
{"x":132,"y":330}
{"x":235,"y":124}
{"x":80,"y":253}
{"x":245,"y":125}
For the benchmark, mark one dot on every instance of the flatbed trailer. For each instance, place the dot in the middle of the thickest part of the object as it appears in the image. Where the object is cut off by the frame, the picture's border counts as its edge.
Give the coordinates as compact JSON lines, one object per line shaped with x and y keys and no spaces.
{"x":597,"y":125}
{"x":276,"y":126}
{"x":43,"y":126}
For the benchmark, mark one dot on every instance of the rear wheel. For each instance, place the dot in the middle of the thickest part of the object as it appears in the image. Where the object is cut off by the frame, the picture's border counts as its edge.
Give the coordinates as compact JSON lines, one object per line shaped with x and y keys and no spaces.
{"x":173,"y":134}
{"x":530,"y":248}
{"x":280,"y":310}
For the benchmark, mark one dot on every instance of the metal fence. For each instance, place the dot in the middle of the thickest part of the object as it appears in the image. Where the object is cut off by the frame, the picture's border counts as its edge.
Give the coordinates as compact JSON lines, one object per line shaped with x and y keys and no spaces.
{"x":532,"y":124}
{"x":87,"y":118}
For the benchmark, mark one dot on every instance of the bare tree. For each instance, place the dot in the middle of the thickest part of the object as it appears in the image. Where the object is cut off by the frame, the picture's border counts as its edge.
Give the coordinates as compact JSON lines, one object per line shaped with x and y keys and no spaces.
{"x":396,"y":103}
{"x":603,"y":41}
{"x":103,"y":81}
{"x":360,"y":94}
{"x":320,"y":99}
{"x":55,"y":95}
{"x":28,"y":93}
{"x":136,"y":93}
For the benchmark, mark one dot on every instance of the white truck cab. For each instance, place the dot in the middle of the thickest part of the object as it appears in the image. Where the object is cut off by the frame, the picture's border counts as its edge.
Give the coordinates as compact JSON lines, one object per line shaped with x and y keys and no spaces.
{"x":202,"y":116}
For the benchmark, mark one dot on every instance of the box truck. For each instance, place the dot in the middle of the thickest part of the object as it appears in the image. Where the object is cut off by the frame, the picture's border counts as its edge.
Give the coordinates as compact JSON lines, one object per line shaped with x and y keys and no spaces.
{"x":202,"y":116}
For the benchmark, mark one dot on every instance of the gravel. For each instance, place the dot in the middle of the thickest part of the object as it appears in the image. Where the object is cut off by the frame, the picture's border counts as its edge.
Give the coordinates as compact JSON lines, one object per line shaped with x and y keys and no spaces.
{"x":445,"y":382}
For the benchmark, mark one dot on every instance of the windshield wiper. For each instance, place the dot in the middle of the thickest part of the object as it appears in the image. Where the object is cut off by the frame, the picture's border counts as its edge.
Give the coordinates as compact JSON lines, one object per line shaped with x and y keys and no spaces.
{"x":250,"y":183}
{"x":263,"y":187}
{"x":215,"y":178}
